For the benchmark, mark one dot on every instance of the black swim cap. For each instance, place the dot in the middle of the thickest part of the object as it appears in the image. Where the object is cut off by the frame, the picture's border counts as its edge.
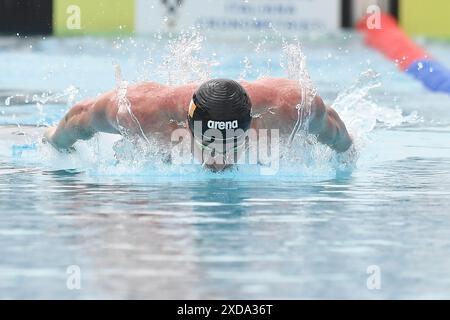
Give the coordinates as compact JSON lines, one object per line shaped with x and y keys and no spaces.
{"x":220,"y":104}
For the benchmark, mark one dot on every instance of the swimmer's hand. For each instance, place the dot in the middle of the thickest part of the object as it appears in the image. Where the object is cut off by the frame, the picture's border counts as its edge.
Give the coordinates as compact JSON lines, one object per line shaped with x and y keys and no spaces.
{"x":48,"y":138}
{"x":48,"y":135}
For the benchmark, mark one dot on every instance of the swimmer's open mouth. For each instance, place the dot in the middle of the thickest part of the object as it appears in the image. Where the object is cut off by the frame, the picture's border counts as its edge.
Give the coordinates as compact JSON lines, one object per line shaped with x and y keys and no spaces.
{"x":226,"y":152}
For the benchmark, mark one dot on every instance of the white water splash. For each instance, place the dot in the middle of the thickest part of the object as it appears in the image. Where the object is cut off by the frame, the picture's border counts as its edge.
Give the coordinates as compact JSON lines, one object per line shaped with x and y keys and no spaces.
{"x":247,"y":67}
{"x":124,"y":107}
{"x":355,"y":107}
{"x":182,"y":63}
{"x":361,"y":114}
{"x":145,"y":70}
{"x":136,"y":147}
{"x":293,"y":61}
{"x":66,"y":96}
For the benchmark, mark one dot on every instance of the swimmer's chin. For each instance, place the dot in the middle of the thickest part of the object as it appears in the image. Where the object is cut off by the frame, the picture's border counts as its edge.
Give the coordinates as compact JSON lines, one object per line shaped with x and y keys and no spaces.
{"x":218,"y":168}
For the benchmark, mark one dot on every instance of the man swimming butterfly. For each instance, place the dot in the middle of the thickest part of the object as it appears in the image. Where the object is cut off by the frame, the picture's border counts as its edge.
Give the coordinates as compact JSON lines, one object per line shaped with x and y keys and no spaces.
{"x":217,"y":111}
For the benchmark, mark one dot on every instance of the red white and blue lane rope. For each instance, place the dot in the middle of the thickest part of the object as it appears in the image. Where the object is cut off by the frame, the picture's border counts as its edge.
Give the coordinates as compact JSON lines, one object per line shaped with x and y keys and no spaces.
{"x":395,"y":44}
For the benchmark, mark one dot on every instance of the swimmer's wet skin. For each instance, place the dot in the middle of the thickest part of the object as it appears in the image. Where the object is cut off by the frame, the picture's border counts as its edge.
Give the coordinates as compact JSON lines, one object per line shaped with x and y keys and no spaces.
{"x":219,"y":104}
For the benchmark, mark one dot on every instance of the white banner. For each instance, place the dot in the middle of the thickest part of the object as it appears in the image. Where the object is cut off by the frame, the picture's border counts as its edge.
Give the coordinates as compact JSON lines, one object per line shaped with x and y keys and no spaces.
{"x":239,"y":16}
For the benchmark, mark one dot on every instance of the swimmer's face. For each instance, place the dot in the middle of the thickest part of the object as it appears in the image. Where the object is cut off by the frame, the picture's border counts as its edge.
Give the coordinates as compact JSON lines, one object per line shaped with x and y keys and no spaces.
{"x":217,"y":157}
{"x":221,"y":110}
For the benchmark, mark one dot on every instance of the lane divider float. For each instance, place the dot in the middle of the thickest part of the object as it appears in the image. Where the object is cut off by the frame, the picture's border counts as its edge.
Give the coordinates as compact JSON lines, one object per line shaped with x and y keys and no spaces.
{"x":395,"y":44}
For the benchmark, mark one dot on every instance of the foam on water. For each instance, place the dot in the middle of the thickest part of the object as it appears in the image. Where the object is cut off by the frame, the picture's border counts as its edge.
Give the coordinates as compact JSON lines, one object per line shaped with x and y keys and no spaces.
{"x":361,"y":114}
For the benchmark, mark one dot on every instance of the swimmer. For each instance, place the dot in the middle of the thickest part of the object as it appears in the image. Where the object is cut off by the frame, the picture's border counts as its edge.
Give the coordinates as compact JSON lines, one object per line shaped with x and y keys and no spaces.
{"x":218,"y":106}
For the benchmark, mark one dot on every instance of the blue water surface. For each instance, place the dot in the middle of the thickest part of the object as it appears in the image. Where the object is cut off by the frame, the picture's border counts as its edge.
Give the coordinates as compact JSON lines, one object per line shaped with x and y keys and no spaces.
{"x":306,"y":232}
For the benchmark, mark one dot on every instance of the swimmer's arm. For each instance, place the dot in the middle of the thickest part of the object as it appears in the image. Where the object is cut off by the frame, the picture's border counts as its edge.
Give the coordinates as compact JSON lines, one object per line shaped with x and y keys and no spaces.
{"x":84,"y":120}
{"x":329,"y":128}
{"x":150,"y":101}
{"x":325,"y":123}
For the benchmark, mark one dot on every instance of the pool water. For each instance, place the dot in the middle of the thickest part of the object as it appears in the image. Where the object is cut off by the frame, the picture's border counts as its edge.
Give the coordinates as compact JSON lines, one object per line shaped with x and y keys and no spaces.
{"x":309,"y":231}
